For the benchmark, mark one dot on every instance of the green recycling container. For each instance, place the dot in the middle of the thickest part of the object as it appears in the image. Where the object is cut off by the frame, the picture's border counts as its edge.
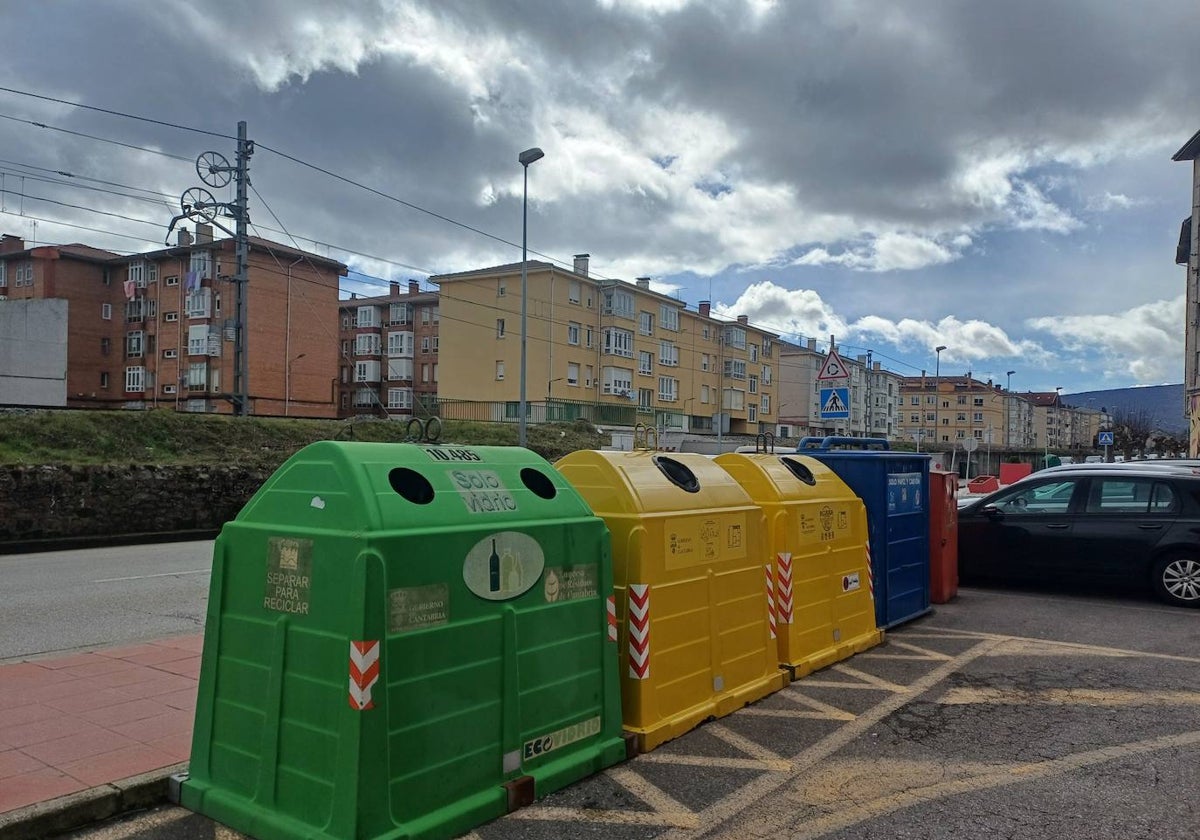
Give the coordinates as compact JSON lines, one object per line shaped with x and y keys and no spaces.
{"x":404,"y":641}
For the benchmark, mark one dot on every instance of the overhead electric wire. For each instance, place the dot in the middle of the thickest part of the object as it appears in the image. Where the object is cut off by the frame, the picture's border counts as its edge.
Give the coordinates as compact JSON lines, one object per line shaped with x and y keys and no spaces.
{"x":116,"y":113}
{"x":94,"y":137}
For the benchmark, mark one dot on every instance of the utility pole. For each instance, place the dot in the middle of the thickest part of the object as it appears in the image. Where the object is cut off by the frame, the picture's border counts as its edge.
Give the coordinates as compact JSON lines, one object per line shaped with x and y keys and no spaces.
{"x":868,"y":414}
{"x":241,"y":367}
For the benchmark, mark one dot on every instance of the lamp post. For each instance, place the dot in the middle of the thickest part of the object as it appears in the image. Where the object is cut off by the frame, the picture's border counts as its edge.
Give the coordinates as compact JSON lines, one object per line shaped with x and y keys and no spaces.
{"x":287,"y":383}
{"x":937,"y":391}
{"x":525,"y":158}
{"x":1008,"y":409}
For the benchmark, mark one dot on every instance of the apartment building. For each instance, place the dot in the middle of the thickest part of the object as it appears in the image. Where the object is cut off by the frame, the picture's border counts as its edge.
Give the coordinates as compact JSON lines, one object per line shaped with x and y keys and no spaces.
{"x":156,"y":330}
{"x":609,"y":350}
{"x":1187,"y":254}
{"x":388,"y":352}
{"x":874,"y":395}
{"x":941,"y":411}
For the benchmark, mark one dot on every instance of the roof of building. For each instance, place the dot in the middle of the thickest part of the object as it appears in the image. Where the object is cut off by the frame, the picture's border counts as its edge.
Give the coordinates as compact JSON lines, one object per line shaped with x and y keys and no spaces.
{"x":277,"y":249}
{"x":1190,"y":149}
{"x":87,"y":252}
{"x":507,"y":268}
{"x":1043,"y":398}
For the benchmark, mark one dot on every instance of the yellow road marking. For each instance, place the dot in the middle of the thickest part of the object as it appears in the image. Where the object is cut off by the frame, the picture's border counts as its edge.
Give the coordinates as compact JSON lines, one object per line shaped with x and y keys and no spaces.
{"x":777,"y":765}
{"x":925,"y":653}
{"x":765,"y":814}
{"x":862,"y":686}
{"x":678,"y":819}
{"x":643,"y":789}
{"x":747,"y":746}
{"x":870,"y":679}
{"x":803,"y":714}
{"x":1069,"y":697}
{"x":810,"y":829}
{"x":833,"y":712}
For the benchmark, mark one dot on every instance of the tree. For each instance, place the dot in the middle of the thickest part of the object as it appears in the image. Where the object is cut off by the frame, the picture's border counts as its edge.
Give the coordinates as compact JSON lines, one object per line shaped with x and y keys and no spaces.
{"x":1131,"y":429}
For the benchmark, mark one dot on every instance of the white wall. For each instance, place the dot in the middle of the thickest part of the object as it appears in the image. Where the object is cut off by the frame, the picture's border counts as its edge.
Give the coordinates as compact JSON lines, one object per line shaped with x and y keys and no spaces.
{"x":33,"y":352}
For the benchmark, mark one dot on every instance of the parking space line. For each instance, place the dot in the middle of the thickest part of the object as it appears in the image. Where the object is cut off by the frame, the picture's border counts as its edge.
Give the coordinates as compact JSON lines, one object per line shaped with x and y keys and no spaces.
{"x":1040,"y":646}
{"x":831,"y":712}
{"x":1068,"y":697}
{"x":925,"y":653}
{"x":747,"y":746}
{"x":802,"y":714}
{"x":863,"y":686}
{"x":870,"y":679}
{"x":643,"y":789}
{"x":777,"y":765}
{"x":811,"y":829}
{"x":774,"y":814}
{"x":542,"y":813}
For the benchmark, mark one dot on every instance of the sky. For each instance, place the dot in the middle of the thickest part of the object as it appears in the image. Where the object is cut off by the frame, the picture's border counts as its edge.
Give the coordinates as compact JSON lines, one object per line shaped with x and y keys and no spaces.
{"x":991,"y":177}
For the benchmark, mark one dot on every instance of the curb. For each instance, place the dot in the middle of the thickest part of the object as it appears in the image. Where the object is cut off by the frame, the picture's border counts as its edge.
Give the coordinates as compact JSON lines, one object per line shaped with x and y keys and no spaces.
{"x":88,"y":806}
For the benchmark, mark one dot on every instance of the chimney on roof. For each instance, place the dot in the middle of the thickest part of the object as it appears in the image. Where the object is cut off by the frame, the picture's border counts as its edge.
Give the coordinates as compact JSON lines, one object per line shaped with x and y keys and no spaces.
{"x":862,"y":360}
{"x":10,"y":244}
{"x":878,"y":365}
{"x":204,"y":234}
{"x":581,"y":264}
{"x":643,"y":282}
{"x":394,"y":288}
{"x":184,"y":237}
{"x":353,"y":296}
{"x":414,"y":287}
{"x":812,"y":344}
{"x":705,"y":307}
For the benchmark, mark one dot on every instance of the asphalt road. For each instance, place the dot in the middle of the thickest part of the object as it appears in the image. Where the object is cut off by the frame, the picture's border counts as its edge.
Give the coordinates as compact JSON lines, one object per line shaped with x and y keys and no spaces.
{"x":63,"y":600}
{"x":1005,"y":714}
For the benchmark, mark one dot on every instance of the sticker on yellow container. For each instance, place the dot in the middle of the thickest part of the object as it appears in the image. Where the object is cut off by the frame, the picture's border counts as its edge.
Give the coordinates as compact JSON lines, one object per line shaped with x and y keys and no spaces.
{"x":503,"y":565}
{"x":705,"y":540}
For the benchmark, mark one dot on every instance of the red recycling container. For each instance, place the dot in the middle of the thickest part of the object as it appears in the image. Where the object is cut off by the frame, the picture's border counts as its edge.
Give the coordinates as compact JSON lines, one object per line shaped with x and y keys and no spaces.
{"x":943,"y":536}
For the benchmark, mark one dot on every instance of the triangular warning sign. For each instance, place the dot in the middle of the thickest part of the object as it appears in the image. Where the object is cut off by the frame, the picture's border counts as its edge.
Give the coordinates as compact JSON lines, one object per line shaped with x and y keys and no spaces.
{"x":834,"y":367}
{"x":833,"y":404}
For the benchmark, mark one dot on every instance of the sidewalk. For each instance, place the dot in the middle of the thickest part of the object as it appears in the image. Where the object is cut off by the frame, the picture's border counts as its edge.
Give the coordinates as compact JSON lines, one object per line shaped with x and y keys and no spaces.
{"x":79,"y":722}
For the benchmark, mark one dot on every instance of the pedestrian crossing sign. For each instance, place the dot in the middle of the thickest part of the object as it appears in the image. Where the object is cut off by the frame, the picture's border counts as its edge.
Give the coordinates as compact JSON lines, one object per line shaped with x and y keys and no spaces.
{"x":835,"y":403}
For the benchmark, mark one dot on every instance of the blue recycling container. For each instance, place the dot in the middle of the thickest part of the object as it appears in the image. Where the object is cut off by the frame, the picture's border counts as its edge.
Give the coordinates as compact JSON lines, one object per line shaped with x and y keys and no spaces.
{"x":894,"y":487}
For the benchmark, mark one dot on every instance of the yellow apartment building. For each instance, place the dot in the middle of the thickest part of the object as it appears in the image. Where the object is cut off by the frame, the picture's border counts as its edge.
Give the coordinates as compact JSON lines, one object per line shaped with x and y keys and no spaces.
{"x":610,"y":351}
{"x":948,"y":410}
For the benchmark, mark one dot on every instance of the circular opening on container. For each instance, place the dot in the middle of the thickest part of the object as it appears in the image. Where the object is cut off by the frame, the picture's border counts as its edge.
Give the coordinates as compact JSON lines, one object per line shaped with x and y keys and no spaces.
{"x":539,"y":483}
{"x":411,"y":485}
{"x":799,"y":470}
{"x":678,"y":474}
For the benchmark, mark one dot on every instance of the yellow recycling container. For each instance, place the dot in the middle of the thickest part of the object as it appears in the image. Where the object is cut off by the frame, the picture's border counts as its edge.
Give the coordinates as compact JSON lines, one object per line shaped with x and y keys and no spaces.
{"x":824,"y":609}
{"x":690,"y":583}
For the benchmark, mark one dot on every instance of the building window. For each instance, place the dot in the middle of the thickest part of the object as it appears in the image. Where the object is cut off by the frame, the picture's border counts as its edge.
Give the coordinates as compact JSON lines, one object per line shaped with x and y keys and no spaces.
{"x":368,"y":317}
{"x":572,"y":373}
{"x":618,"y":302}
{"x":735,"y":368}
{"x":978,"y":417}
{"x":173,"y":280}
{"x":400,"y":313}
{"x":501,"y":289}
{"x":499,"y":328}
{"x":425,"y":374}
{"x":618,"y":342}
{"x":499,"y":369}
{"x":435,"y":343}
{"x":754,"y":352}
{"x":169,"y":389}
{"x":573,"y":333}
{"x":914,"y":400}
{"x":589,"y":378}
{"x":367,"y":344}
{"x":197,"y":340}
{"x":753,"y":409}
{"x":197,"y":376}
{"x":766,"y":374}
{"x":733,"y":399}
{"x":200,"y":263}
{"x":170,"y":353}
{"x":170,"y":317}
{"x":135,"y":379}
{"x":104,"y":380}
{"x":753,"y":384}
{"x":668,"y":354}
{"x":137,"y":274}
{"x":197,"y":303}
{"x":617,"y":381}
{"x":345,"y":400}
{"x":400,"y":344}
{"x":589,"y":342}
{"x":705,"y":361}
{"x":768,"y":348}
{"x":735,"y":337}
{"x":135,"y":343}
{"x":645,"y":397}
{"x":668,"y":317}
{"x":704,"y":394}
{"x":646,"y":323}
{"x":765,"y":402}
{"x":425,"y":344}
{"x":979,"y":402}
{"x":3,"y":275}
{"x":366,"y":371}
{"x":401,"y":369}
{"x":645,"y":363}
{"x":668,"y":388}
{"x":573,"y":292}
{"x":364,"y":398}
{"x":400,"y":398}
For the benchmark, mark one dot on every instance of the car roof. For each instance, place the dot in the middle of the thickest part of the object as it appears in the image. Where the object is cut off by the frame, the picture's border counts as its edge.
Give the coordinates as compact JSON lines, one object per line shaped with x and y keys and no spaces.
{"x":1157,"y":469}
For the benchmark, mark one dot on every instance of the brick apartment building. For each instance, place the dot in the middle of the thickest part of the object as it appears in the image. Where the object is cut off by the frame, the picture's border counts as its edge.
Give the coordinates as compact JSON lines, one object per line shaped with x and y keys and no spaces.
{"x":388,"y":352}
{"x":156,"y":329}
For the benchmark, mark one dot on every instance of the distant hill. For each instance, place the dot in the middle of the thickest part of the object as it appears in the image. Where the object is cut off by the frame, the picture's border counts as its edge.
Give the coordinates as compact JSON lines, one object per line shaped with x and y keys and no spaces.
{"x":1163,"y":402}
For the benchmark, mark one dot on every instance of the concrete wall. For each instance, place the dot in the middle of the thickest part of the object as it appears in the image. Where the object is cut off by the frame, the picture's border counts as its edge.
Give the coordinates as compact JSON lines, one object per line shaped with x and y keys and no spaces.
{"x":48,"y":503}
{"x":33,"y":352}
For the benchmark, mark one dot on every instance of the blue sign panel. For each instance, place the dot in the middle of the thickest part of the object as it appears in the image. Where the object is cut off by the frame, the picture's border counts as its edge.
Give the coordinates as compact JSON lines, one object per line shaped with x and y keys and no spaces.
{"x":1106,"y":439}
{"x":835,"y":403}
{"x":904,"y":493}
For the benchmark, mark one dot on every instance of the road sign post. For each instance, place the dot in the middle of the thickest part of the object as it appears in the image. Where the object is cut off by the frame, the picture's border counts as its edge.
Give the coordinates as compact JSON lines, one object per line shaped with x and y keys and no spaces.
{"x":834,"y":382}
{"x":1105,"y":439}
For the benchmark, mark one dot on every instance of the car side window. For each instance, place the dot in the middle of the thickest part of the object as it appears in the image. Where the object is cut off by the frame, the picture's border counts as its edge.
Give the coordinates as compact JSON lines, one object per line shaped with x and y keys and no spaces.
{"x":1124,"y":495}
{"x":1052,"y":497}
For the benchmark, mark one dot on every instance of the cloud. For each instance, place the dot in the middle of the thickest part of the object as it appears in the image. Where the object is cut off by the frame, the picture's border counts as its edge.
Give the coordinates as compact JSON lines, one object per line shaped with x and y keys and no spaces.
{"x":790,"y":312}
{"x":890,"y":252}
{"x":1144,"y":342}
{"x":965,"y":341}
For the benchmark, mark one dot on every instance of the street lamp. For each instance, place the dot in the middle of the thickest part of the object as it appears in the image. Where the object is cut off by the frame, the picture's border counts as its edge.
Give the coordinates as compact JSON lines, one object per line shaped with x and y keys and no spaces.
{"x":287,"y":383}
{"x":525,"y":158}
{"x":1008,"y":409}
{"x":937,"y":390}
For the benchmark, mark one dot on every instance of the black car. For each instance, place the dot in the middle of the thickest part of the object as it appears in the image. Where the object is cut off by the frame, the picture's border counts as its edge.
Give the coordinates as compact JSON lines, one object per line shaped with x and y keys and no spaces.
{"x":1117,"y":525}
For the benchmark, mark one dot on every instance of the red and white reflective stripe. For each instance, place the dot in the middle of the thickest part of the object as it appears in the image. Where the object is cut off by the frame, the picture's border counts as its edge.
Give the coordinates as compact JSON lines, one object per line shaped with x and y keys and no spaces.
{"x":783,"y":591}
{"x":639,"y":631}
{"x":612,"y":618}
{"x":870,"y":573}
{"x":770,"y":598}
{"x":364,"y":673}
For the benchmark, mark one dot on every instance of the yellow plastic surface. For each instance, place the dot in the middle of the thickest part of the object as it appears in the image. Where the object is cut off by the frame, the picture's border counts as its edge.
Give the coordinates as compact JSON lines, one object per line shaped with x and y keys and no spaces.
{"x":820,"y":531}
{"x":693,"y":563}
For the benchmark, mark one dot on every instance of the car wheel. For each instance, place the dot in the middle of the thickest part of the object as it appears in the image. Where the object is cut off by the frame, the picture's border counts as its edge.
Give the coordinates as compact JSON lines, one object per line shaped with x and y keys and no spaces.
{"x":1177,"y":579}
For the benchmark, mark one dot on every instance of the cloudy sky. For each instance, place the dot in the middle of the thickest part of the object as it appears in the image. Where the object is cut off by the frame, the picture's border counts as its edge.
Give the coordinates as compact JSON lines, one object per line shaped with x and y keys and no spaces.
{"x":993,"y":177}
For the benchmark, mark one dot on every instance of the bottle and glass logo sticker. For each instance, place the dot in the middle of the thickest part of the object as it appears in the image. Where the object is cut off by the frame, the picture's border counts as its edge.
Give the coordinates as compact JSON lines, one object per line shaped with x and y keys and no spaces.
{"x":503,"y":565}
